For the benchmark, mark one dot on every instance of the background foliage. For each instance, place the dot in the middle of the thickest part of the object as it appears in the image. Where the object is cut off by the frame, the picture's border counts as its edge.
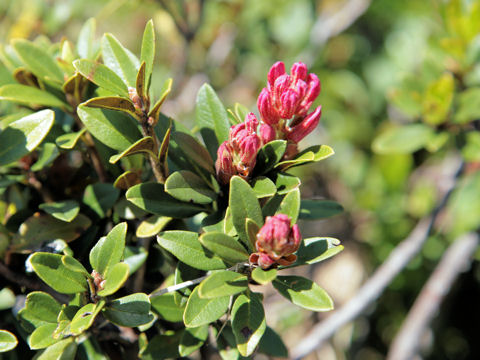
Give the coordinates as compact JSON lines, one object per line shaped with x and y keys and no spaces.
{"x":400,"y":90}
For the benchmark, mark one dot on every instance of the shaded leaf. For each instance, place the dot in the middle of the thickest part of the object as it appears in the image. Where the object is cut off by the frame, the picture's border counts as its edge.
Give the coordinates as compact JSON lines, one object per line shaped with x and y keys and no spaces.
{"x":309,"y":155}
{"x":270,"y":155}
{"x":319,"y":209}
{"x":134,"y":257}
{"x":317,"y":249}
{"x":290,"y":205}
{"x":132,"y":310}
{"x":85,"y":42}
{"x":187,"y":186}
{"x":165,"y":306}
{"x":224,"y":246}
{"x":263,"y":187}
{"x":192,"y":339}
{"x":48,"y":154}
{"x":62,"y":350}
{"x":127,"y":180}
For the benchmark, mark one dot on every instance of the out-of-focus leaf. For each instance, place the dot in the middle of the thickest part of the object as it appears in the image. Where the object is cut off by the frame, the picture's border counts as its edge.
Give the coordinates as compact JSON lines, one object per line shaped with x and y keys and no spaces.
{"x":66,"y":210}
{"x":38,"y":60}
{"x":7,"y":299}
{"x":403,"y":140}
{"x":272,"y":344}
{"x":85,"y":42}
{"x":48,"y":154}
{"x":24,"y":135}
{"x":135,"y":257}
{"x":62,"y":350}
{"x":192,"y":339}
{"x":163,"y":346}
{"x":468,"y":106}
{"x":152,"y":225}
{"x":438,"y":99}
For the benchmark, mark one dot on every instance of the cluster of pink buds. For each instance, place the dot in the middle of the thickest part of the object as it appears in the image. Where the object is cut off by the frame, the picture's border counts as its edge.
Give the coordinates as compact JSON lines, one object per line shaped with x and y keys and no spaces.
{"x":285,"y":102}
{"x":276,"y":242}
{"x":237,"y":155}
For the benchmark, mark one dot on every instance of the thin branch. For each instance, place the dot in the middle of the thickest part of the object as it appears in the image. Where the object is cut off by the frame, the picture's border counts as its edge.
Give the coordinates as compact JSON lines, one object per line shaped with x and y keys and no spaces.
{"x":456,"y":259}
{"x":374,"y":287}
{"x":178,"y":286}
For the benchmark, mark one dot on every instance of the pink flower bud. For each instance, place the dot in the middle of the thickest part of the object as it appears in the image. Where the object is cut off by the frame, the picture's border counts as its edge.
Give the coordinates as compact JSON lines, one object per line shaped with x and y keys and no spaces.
{"x":277,"y":238}
{"x":267,"y":133}
{"x":299,"y":71}
{"x":267,"y":110}
{"x":305,"y":126}
{"x":276,"y":70}
{"x":224,"y":166}
{"x":261,"y":259}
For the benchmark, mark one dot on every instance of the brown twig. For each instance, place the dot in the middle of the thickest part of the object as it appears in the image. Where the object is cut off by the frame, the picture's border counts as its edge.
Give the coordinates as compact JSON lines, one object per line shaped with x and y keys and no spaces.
{"x":456,"y":259}
{"x":378,"y":282}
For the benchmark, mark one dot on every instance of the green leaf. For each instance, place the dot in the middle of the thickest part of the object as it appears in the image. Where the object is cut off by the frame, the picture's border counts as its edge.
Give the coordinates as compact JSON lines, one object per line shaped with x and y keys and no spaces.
{"x":187,"y":248}
{"x":54,"y":273}
{"x":290,"y":205}
{"x":309,"y":155}
{"x":303,"y":292}
{"x":263,"y":187}
{"x":152,"y":225}
{"x":183,"y":273}
{"x":192,"y":339}
{"x":69,"y":140}
{"x":126,"y":180}
{"x":40,"y":309}
{"x":144,"y":145}
{"x":186,"y":186}
{"x":100,"y":197}
{"x":73,"y":264}
{"x":438,"y":99}
{"x":155,"y":111}
{"x":152,"y":197}
{"x":147,"y":53}
{"x":115,"y":278}
{"x":222,"y":283}
{"x":252,"y":231}
{"x":162,"y":347}
{"x":119,"y":59}
{"x":471,"y":150}
{"x":248,"y":322}
{"x":8,"y":341}
{"x":108,"y":251}
{"x":468,"y":106}
{"x":7,"y":299}
{"x":317,"y":249}
{"x":135,"y":257}
{"x":118,"y":133}
{"x":112,"y":103}
{"x":319,"y":209}
{"x":286,"y":183}
{"x":86,"y":37}
{"x":264,"y":276}
{"x":28,"y":95}
{"x":38,"y":60}
{"x":243,"y":204}
{"x":270,"y":155}
{"x":85,"y":317}
{"x":48,"y":154}
{"x":132,"y":310}
{"x":24,"y":135}
{"x":272,"y":344}
{"x":44,"y":228}
{"x":224,"y":246}
{"x":62,"y":350}
{"x":101,"y":76}
{"x":165,"y":306}
{"x":66,"y":210}
{"x":403,"y":140}
{"x":193,"y":150}
{"x":211,"y":118}
{"x":200,"y":311}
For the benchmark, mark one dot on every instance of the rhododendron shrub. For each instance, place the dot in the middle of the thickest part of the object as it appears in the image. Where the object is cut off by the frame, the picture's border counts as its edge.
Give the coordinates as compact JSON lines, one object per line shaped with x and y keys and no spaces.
{"x":128,"y":219}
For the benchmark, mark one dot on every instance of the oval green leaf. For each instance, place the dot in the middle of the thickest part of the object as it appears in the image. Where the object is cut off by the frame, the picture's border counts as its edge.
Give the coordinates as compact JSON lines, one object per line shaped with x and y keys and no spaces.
{"x":121,"y":60}
{"x":8,"y":341}
{"x":66,"y":210}
{"x":303,"y":292}
{"x":403,"y":140}
{"x":317,"y":249}
{"x":101,"y":76}
{"x":222,"y":283}
{"x":200,"y":311}
{"x":264,"y":276}
{"x":115,"y":278}
{"x":109,"y":250}
{"x":186,"y":186}
{"x":226,"y":247}
{"x":27,"y":95}
{"x":132,"y":310}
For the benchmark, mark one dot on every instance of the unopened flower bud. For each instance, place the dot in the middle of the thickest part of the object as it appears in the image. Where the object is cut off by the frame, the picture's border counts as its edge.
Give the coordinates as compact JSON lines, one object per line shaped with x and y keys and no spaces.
{"x":224,"y":165}
{"x":305,"y":126}
{"x":267,"y":133}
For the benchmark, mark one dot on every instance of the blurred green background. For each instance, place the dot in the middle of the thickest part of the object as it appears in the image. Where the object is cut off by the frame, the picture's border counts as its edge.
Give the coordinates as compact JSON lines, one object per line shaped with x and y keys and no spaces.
{"x":383,"y":64}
